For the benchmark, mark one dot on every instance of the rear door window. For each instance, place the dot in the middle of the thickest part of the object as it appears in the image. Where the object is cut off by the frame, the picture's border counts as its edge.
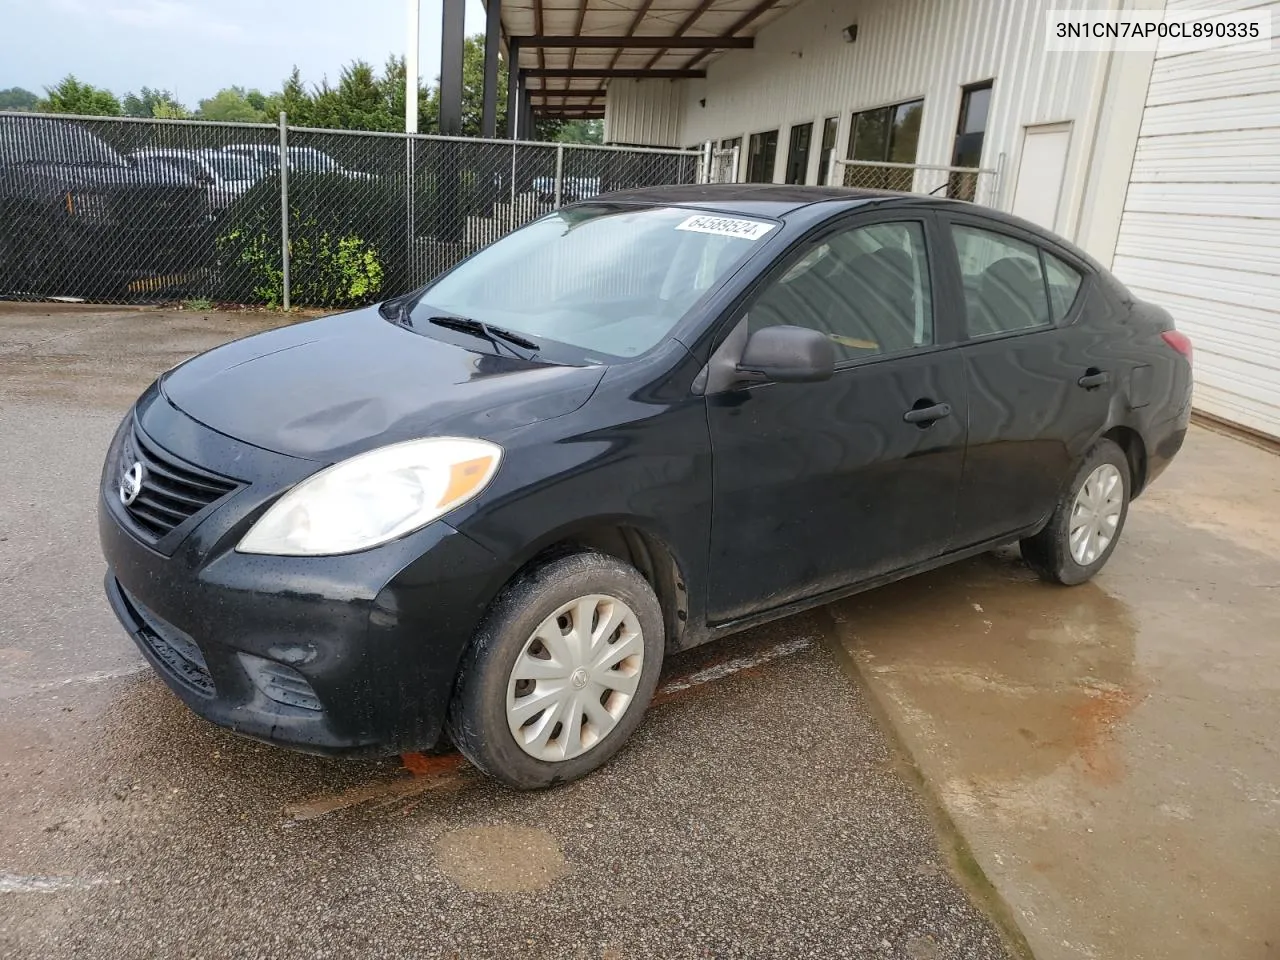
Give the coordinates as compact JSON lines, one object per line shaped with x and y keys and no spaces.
{"x":1004,"y":284}
{"x":1064,"y":283}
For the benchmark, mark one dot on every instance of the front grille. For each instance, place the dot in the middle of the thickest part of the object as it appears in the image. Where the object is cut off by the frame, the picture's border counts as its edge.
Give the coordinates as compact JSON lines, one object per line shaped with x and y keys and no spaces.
{"x":171,"y":491}
{"x":175,"y":649}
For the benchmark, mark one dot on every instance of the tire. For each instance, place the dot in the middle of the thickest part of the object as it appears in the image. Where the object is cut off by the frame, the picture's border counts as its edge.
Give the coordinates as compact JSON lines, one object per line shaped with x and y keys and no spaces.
{"x":491,"y":706}
{"x":1050,"y":553}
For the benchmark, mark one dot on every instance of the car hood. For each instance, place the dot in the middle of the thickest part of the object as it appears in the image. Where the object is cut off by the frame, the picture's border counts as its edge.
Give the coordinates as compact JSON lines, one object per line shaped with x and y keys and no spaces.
{"x":332,"y":388}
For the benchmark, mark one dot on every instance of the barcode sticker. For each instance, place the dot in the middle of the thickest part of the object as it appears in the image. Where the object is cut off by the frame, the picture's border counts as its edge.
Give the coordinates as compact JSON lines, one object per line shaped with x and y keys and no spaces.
{"x":726,"y":227}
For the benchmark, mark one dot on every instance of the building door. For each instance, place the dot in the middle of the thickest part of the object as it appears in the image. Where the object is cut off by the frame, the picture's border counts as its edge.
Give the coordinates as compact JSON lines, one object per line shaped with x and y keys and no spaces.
{"x":1200,"y":232}
{"x":761,"y":154}
{"x":798,"y":152}
{"x":1040,"y":171}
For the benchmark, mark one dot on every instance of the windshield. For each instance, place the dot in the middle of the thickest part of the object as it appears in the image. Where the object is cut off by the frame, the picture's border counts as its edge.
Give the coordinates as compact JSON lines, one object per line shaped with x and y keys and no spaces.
{"x":606,"y":279}
{"x":231,"y":167}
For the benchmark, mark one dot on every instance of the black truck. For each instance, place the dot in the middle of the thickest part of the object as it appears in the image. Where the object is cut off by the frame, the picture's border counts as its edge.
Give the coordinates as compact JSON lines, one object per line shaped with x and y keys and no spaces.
{"x":79,"y":219}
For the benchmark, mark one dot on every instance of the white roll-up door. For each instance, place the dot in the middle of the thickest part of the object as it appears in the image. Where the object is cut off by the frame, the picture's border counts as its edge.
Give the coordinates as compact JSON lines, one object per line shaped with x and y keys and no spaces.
{"x":1200,"y":233}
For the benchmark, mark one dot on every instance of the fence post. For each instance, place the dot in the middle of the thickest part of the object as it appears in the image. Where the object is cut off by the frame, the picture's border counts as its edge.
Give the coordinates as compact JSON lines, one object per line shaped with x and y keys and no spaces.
{"x":284,"y":206}
{"x":559,"y":174}
{"x":706,"y":163}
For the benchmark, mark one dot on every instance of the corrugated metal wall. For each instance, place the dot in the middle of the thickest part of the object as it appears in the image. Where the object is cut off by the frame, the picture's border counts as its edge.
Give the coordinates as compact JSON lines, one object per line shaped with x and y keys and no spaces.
{"x":1200,"y":233}
{"x":802,"y":70}
{"x":644,"y":112}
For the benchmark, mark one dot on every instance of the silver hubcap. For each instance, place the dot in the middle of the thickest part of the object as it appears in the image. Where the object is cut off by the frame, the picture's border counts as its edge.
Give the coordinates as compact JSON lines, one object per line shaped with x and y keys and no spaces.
{"x":1095,"y":514}
{"x":575,"y":678}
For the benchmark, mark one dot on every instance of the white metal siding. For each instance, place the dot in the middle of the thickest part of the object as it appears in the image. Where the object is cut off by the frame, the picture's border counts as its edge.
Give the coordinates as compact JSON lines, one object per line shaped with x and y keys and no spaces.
{"x":1200,"y":233}
{"x":645,"y":112}
{"x":802,"y":70}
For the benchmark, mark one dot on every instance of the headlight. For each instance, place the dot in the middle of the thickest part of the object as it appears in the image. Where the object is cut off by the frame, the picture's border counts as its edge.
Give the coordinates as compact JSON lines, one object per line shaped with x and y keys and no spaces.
{"x":374,"y":497}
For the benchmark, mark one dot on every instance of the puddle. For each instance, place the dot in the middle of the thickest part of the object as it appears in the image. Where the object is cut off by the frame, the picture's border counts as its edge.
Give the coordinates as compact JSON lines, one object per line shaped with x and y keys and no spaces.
{"x":501,"y":859}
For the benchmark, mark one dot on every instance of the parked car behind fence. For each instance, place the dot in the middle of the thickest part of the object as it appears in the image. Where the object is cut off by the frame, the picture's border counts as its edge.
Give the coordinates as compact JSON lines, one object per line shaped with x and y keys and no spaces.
{"x":76,"y":217}
{"x":196,"y":206}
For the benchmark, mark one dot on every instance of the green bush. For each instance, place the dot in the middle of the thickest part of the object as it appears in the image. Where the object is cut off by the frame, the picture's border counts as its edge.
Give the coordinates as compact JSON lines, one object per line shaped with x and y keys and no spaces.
{"x":347,"y":243}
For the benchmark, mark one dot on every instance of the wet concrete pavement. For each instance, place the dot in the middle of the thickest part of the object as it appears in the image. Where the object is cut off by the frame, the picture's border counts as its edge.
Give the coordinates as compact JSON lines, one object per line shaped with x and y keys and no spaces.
{"x":1109,"y":751}
{"x":760,"y":810}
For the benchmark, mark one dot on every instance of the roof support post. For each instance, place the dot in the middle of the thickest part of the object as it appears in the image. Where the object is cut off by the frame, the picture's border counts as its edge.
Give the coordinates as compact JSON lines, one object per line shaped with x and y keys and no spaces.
{"x":492,"y":38}
{"x":451,"y":41}
{"x":513,"y":89}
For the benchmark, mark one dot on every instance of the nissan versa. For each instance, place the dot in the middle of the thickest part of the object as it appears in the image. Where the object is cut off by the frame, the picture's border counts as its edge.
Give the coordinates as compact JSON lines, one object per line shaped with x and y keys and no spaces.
{"x":486,"y":510}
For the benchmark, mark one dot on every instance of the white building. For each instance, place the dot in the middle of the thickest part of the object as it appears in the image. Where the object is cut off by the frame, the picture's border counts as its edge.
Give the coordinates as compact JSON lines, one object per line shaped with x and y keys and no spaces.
{"x":1163,"y":165}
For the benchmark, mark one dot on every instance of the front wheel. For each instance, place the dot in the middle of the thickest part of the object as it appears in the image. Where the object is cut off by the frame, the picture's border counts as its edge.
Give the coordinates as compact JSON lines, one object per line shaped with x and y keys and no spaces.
{"x":560,"y":672}
{"x":1087,"y":521}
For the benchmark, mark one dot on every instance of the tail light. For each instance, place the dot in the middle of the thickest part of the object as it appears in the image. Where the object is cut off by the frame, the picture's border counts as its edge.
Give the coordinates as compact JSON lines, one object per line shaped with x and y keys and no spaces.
{"x":1179,"y":341}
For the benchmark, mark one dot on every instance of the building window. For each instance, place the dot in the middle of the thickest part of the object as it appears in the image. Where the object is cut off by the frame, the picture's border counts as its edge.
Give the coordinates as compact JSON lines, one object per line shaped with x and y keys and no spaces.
{"x":828,"y":148}
{"x":975,"y":105}
{"x":762,"y":152}
{"x":885,"y":135}
{"x":798,"y":152}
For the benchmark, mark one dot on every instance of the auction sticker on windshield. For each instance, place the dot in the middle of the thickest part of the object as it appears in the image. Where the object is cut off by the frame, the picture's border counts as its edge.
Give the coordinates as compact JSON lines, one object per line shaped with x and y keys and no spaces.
{"x":727,"y":227}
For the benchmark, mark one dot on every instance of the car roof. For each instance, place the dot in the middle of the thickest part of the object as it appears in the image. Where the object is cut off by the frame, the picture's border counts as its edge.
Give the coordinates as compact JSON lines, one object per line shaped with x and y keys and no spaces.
{"x":762,"y":199}
{"x":780,"y":200}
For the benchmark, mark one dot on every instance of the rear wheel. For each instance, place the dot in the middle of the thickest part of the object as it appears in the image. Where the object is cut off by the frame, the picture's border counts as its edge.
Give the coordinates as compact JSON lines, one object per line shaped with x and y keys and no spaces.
{"x":1086,"y":524}
{"x":560,"y":673}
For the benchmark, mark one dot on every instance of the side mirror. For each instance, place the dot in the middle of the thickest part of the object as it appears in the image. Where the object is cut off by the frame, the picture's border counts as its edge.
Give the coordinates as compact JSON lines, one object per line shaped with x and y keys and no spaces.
{"x":788,"y":354}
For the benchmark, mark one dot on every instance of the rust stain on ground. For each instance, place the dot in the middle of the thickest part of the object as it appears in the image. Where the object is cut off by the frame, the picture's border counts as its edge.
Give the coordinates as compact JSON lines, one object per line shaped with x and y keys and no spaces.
{"x":1093,"y":723}
{"x":449,"y":775}
{"x":422,"y":765}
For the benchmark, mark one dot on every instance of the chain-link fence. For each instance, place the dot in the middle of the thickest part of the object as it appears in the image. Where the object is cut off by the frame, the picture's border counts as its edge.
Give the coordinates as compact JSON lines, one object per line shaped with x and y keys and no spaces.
{"x":724,"y":165}
{"x":122,"y":210}
{"x":975,"y":184}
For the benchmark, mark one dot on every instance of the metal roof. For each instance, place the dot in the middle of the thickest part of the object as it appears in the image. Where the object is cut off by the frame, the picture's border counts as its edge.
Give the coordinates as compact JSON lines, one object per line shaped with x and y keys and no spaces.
{"x":570,"y":49}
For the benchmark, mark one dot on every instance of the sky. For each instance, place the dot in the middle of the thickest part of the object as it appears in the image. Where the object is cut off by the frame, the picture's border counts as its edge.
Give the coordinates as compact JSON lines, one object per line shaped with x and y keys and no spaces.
{"x":193,"y":48}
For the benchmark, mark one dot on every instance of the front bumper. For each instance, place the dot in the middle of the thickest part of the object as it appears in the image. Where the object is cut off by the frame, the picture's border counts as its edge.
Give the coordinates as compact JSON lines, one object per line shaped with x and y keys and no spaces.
{"x":341,"y":654}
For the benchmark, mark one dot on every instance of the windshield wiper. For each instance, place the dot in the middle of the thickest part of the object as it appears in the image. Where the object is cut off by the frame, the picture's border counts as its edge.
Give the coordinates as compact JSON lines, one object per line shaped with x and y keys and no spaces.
{"x":495,"y":335}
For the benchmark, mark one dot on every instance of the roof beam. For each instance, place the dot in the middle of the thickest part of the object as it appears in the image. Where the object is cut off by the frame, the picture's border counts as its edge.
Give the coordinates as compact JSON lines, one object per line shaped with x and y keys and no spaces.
{"x":641,"y":43}
{"x":571,"y":114}
{"x":598,"y":72}
{"x":567,"y":92}
{"x":641,"y":13}
{"x":681,"y":30}
{"x":577,"y":32}
{"x":743,"y":21}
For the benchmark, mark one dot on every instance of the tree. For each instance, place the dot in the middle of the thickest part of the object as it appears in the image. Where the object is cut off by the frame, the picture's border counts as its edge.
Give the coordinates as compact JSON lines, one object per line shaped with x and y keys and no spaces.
{"x":358,"y":102}
{"x":72,"y":96}
{"x":153,"y":103}
{"x":580,"y":131}
{"x":234,"y":105}
{"x":16,"y":98}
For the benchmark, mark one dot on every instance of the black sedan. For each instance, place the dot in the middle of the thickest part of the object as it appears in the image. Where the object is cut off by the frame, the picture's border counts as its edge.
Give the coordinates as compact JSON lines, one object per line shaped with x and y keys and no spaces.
{"x":488,"y":509}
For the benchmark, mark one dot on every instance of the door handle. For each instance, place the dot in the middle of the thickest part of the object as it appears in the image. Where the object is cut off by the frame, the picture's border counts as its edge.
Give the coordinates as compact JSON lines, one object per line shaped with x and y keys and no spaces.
{"x":1094,"y":378}
{"x":924,"y":416}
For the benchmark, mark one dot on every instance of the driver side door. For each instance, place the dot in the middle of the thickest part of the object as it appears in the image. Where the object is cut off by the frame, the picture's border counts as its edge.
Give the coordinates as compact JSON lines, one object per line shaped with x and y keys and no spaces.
{"x":822,"y":484}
